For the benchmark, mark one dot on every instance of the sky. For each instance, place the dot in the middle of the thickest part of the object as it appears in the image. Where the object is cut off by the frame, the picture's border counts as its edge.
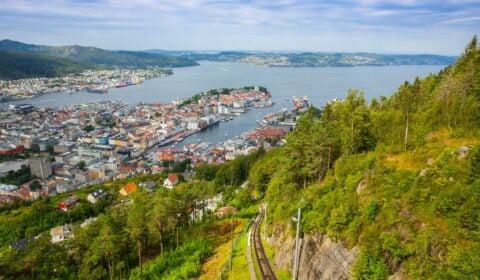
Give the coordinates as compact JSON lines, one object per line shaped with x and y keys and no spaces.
{"x":392,"y":27}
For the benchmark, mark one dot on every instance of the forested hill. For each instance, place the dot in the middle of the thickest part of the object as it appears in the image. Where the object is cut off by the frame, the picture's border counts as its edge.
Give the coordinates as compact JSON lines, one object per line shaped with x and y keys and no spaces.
{"x":316,"y":59}
{"x":399,"y":177}
{"x":99,"y":56}
{"x":15,"y":65}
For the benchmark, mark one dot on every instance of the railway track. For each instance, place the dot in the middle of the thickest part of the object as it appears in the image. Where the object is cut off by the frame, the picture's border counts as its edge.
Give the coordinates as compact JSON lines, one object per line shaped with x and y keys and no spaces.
{"x":266,"y":270}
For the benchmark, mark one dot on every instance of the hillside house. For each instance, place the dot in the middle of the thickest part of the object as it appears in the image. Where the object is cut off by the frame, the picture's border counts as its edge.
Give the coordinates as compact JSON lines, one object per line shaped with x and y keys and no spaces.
{"x":128,"y":189}
{"x":171,"y":181}
{"x":61,"y":233}
{"x":68,"y":203}
{"x":96,"y":195}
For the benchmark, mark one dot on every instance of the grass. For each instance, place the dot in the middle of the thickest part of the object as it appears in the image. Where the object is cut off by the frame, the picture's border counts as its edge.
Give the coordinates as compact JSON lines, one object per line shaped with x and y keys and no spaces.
{"x":212,"y":269}
{"x":239,"y":263}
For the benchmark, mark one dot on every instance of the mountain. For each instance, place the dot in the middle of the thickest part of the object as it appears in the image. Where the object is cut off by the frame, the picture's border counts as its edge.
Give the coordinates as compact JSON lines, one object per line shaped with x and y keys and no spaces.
{"x":313,"y":59}
{"x":16,"y":65}
{"x":100,"y":56}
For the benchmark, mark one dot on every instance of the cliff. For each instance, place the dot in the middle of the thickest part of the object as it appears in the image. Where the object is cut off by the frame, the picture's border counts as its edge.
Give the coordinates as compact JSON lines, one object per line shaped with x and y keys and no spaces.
{"x":320,"y":257}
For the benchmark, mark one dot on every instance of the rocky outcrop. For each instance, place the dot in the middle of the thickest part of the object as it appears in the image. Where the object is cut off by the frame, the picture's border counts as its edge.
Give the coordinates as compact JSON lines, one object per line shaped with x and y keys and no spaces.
{"x":320,"y":258}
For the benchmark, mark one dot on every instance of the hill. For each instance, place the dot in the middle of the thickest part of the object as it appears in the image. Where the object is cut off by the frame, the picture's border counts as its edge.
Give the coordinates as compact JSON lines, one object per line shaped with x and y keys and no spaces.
{"x":314,"y":59}
{"x":100,"y":56}
{"x":16,"y":65}
{"x":394,"y":180}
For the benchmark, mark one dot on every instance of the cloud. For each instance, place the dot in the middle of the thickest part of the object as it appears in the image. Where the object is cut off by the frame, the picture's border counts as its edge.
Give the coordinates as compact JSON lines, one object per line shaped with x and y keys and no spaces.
{"x":214,"y":23}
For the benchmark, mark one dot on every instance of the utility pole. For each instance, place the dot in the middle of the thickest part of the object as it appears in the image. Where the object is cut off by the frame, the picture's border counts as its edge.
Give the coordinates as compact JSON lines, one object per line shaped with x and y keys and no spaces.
{"x":297,"y":245}
{"x":265,"y":227}
{"x":231,"y":247}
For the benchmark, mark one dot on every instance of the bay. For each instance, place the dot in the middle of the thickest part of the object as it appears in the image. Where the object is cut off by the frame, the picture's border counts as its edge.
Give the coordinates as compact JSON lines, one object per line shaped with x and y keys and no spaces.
{"x":319,"y":84}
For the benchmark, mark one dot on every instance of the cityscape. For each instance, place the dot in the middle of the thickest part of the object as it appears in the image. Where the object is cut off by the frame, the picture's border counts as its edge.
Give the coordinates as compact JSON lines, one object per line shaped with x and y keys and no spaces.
{"x":110,"y":141}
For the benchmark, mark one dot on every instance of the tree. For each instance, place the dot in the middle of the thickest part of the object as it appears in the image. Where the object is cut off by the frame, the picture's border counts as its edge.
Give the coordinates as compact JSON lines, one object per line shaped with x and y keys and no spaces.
{"x":89,"y":128}
{"x":81,"y":165}
{"x":137,"y":221}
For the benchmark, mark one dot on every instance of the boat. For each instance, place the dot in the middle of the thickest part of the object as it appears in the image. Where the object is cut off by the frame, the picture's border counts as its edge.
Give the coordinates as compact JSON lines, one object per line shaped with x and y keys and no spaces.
{"x":120,"y":85}
{"x":101,"y":89}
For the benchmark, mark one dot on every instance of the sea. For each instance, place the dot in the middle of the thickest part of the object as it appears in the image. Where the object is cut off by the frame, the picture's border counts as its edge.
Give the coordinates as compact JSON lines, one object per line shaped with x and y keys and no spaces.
{"x":319,"y":84}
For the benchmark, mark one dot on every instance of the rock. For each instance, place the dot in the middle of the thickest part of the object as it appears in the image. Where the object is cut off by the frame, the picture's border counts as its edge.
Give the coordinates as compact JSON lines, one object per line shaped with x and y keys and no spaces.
{"x":463,"y":152}
{"x":361,"y":186}
{"x":320,"y":257}
{"x":424,"y":171}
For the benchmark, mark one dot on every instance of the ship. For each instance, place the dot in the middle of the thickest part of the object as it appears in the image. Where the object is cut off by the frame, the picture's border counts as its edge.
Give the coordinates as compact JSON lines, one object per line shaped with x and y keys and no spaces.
{"x":300,"y":102}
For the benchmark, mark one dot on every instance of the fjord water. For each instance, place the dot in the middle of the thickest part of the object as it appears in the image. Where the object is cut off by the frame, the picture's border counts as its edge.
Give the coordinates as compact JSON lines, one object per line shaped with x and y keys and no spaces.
{"x":319,"y":84}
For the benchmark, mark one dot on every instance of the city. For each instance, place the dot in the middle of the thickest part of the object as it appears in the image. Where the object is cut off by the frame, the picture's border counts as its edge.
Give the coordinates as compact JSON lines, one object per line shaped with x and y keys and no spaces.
{"x":98,"y":142}
{"x":95,"y":81}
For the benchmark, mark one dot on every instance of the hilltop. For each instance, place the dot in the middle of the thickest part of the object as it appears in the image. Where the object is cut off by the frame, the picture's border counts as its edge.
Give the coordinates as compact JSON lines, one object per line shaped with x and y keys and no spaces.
{"x":99,"y":56}
{"x":16,"y":65}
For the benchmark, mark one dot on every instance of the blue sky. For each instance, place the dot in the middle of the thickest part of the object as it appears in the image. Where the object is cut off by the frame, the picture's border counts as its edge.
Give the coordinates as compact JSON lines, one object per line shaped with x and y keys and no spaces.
{"x":408,"y":26}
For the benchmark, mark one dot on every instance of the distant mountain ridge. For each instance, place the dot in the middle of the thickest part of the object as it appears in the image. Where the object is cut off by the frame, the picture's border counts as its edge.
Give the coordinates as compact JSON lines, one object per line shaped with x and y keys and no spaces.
{"x":17,"y":65}
{"x":100,"y":56}
{"x":314,"y":59}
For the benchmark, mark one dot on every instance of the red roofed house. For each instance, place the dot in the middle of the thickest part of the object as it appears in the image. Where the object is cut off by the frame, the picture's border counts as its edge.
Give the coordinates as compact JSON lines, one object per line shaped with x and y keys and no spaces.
{"x":128,"y":189}
{"x":68,"y":203}
{"x":171,"y":181}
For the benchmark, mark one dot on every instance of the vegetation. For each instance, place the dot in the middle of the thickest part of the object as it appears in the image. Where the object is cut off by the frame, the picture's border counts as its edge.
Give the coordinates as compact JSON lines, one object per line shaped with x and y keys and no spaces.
{"x":143,"y":236}
{"x":99,"y":56}
{"x":18,"y":177}
{"x":397,"y":177}
{"x":16,"y":65}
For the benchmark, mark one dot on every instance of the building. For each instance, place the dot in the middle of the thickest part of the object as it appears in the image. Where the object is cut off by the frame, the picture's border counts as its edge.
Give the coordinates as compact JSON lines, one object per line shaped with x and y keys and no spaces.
{"x":40,"y":167}
{"x":68,"y":203}
{"x":20,"y":244}
{"x":9,"y":149}
{"x":96,"y":195}
{"x":171,"y":181}
{"x":128,"y":189}
{"x":61,"y":233}
{"x":43,"y":143}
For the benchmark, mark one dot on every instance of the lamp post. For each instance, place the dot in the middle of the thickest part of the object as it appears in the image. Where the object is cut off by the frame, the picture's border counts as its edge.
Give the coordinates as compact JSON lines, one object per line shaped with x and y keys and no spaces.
{"x":297,"y":245}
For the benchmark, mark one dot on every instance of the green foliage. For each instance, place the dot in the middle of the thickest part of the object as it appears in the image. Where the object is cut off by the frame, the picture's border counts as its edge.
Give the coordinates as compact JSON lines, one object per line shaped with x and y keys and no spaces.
{"x":372,"y":210}
{"x":14,"y":65}
{"x":370,"y":265}
{"x":18,"y":177}
{"x":100,"y":56}
{"x":206,"y":171}
{"x":183,"y":263}
{"x":89,"y":128}
{"x":81,"y":165}
{"x":390,"y":176}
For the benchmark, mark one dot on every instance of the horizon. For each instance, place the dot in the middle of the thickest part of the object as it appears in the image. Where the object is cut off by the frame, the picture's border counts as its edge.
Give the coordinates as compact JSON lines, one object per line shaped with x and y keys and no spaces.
{"x":365,"y":26}
{"x":240,"y":51}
